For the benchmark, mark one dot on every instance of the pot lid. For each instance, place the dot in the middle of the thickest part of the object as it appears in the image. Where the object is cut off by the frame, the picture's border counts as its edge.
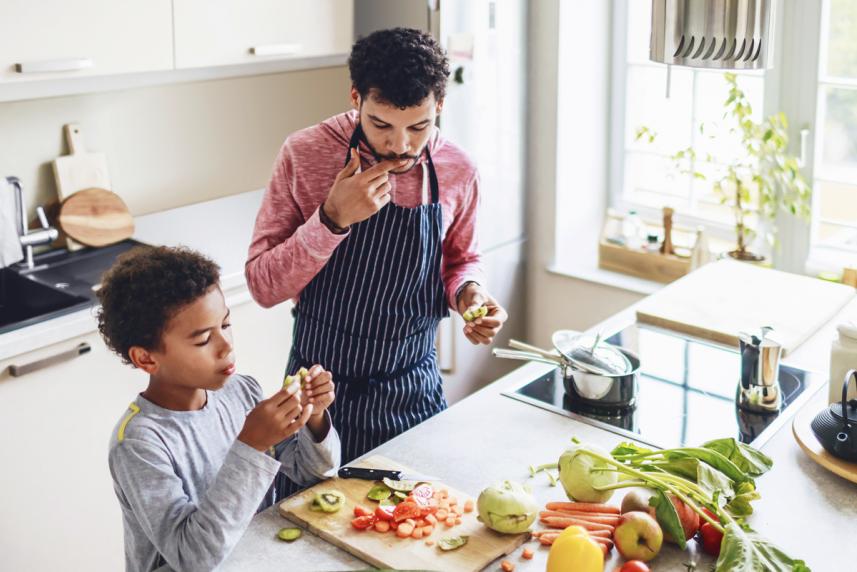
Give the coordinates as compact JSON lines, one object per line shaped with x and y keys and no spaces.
{"x":590,"y":353}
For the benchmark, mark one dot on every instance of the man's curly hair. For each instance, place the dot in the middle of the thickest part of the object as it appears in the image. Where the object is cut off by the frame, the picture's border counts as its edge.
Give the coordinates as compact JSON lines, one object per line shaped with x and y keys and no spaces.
{"x":144,"y":289}
{"x":404,"y":66}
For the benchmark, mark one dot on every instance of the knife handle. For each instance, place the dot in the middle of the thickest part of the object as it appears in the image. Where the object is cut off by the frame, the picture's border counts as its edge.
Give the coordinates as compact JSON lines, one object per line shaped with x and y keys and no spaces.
{"x":367,"y":474}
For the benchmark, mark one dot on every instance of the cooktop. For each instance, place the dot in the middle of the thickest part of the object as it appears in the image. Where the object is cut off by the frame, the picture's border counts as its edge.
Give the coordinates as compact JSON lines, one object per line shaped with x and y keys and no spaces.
{"x":686,"y":393}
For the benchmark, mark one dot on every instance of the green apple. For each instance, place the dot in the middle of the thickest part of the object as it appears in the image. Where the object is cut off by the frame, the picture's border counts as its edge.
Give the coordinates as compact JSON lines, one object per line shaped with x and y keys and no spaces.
{"x":638,"y":536}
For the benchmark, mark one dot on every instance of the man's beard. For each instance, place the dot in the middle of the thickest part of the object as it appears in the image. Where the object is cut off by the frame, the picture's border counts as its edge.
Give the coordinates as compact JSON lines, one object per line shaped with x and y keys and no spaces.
{"x":393,"y":157}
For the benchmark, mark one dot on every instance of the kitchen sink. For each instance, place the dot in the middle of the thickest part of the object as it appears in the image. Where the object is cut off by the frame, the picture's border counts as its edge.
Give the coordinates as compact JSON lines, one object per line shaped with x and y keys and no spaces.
{"x":61,"y":282}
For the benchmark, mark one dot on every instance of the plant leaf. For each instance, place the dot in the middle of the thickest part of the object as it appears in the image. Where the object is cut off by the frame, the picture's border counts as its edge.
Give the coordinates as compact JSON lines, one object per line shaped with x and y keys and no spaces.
{"x":667,"y":517}
{"x":750,"y":460}
{"x":743,"y":550}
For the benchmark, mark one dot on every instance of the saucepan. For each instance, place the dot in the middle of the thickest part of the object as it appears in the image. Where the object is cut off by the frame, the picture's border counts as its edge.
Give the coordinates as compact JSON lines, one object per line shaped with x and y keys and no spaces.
{"x":594,"y":372}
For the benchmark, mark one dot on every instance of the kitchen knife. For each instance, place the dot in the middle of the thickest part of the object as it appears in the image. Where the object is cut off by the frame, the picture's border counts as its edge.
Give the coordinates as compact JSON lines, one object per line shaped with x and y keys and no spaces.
{"x":379,"y":474}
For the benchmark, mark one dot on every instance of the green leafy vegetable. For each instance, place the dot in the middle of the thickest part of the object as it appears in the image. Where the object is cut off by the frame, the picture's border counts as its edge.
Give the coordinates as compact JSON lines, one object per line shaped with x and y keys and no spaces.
{"x":748,"y":459}
{"x":667,"y":517}
{"x":743,"y":550}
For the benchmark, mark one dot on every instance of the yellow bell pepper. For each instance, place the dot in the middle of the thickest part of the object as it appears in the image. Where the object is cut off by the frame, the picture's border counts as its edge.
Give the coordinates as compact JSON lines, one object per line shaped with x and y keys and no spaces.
{"x":575,"y":551}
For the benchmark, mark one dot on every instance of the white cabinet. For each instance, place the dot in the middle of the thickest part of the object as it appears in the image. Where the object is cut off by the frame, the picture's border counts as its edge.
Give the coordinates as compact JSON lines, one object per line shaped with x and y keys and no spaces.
{"x":220,"y":32}
{"x":470,"y":367}
{"x":60,"y":39}
{"x":59,"y":508}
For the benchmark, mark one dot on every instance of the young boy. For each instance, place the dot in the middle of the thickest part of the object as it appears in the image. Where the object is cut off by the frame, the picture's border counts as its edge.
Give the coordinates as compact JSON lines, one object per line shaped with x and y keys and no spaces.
{"x":197,"y":451}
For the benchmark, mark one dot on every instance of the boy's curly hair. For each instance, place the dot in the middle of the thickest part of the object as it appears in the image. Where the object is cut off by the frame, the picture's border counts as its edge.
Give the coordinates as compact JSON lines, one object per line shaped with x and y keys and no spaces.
{"x":404,"y":66}
{"x":144,"y":289}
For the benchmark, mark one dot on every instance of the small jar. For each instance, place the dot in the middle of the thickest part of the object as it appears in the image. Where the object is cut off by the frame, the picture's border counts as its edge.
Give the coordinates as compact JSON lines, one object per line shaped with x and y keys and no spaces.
{"x":843,"y":357}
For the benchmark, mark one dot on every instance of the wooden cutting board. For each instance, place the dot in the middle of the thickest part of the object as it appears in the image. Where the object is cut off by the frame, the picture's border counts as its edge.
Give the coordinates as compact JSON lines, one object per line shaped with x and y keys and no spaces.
{"x":79,"y":170}
{"x":802,"y":431}
{"x":387,"y":550}
{"x":95,"y":217}
{"x":726,"y":297}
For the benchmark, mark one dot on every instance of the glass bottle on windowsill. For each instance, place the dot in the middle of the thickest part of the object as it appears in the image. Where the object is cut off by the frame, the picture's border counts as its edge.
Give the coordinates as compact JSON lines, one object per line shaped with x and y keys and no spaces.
{"x":633,"y":230}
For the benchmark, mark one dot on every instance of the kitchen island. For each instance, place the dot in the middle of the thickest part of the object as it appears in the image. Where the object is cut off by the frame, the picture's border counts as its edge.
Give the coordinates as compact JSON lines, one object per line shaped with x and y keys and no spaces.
{"x":488,"y":437}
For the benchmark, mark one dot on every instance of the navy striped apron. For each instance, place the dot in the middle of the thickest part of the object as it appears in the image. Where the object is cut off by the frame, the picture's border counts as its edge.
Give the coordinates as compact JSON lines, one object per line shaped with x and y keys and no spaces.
{"x":370,"y":317}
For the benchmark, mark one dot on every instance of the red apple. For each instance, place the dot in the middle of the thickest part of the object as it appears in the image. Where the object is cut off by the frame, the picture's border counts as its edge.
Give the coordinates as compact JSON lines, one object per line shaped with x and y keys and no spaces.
{"x":689,"y":519}
{"x":638,"y":536}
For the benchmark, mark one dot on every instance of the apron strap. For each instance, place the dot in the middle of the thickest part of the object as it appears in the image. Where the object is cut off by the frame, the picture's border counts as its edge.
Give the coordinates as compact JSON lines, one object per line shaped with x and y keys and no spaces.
{"x":358,"y":136}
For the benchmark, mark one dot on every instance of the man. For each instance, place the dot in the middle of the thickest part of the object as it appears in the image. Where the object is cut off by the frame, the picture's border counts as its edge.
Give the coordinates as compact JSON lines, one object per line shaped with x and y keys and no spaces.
{"x":375,"y":252}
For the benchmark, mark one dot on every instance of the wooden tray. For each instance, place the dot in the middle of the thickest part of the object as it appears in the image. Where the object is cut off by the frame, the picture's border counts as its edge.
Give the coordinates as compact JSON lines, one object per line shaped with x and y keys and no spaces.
{"x":387,"y":550}
{"x":808,"y":442}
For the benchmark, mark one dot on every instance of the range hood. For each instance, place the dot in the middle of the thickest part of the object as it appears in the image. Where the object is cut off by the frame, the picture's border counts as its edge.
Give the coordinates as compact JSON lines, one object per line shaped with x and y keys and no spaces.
{"x":718,"y":34}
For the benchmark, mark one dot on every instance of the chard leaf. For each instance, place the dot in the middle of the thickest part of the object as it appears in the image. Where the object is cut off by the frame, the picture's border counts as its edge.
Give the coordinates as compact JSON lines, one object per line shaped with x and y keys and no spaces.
{"x":743,"y":550}
{"x":750,"y":460}
{"x":739,"y":505}
{"x":628,"y":448}
{"x":667,"y":517}
{"x":713,"y":458}
{"x":714,"y":482}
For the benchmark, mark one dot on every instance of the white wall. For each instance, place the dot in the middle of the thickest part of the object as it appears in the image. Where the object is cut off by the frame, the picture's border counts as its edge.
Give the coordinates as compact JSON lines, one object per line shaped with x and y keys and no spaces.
{"x":568,"y":151}
{"x":171,"y":145}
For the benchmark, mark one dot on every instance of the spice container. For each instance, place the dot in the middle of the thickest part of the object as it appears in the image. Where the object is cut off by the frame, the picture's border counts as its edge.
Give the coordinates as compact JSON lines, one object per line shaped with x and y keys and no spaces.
{"x":843,"y":357}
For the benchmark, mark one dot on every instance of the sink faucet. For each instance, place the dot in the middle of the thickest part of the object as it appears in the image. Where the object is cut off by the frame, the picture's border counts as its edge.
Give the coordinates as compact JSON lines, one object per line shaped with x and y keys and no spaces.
{"x":45,"y":235}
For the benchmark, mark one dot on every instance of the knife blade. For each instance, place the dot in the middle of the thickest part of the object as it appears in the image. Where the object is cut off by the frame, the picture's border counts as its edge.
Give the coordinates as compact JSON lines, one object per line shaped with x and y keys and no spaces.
{"x":379,"y":474}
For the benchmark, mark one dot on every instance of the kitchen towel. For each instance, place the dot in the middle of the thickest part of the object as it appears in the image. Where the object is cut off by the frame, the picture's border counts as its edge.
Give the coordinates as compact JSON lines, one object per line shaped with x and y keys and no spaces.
{"x":10,"y":243}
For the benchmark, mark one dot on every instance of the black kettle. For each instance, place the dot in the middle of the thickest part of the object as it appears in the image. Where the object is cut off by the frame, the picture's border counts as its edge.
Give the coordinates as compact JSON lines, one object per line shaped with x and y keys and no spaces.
{"x":836,"y":427}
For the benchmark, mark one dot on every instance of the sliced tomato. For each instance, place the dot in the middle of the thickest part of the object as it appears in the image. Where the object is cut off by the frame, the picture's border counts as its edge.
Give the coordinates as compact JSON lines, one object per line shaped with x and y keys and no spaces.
{"x":385,"y":512}
{"x":362,"y":511}
{"x":405,"y":510}
{"x":363,"y":522}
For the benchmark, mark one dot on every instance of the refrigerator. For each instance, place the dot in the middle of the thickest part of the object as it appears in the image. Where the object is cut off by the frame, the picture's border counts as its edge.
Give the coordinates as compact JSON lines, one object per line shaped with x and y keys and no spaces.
{"x":484,"y":113}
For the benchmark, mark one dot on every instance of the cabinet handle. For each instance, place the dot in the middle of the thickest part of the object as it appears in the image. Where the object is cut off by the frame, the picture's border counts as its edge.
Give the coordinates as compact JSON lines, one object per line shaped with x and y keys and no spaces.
{"x":19,"y":370}
{"x":275,"y":50}
{"x":47,"y":66}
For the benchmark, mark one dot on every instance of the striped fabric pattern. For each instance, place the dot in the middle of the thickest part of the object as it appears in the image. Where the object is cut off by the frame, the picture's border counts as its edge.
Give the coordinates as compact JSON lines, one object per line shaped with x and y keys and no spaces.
{"x":370,"y":317}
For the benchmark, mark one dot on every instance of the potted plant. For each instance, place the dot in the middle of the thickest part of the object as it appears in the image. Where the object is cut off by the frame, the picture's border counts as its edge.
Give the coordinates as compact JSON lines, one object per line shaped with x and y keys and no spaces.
{"x":763,"y":180}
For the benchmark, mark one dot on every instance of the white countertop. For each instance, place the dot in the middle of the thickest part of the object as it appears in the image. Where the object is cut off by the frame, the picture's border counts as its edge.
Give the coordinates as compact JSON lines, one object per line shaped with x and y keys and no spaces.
{"x":220,"y":228}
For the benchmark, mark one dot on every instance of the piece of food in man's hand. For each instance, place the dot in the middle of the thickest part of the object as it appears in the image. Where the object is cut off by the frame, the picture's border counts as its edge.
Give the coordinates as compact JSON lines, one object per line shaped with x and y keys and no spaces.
{"x":479,"y":312}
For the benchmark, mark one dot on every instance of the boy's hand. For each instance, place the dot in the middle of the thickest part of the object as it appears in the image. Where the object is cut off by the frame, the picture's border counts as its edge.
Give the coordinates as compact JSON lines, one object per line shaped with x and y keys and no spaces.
{"x":275,"y":419}
{"x":318,"y":390}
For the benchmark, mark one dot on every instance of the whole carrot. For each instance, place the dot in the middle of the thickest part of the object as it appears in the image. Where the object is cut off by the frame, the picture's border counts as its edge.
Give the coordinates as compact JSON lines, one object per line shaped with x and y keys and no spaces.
{"x":611,"y":519}
{"x":565,"y":522}
{"x":582,"y":507}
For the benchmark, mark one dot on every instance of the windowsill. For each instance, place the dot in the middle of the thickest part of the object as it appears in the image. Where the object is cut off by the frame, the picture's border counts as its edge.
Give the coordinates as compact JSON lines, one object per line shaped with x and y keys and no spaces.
{"x":595,"y":275}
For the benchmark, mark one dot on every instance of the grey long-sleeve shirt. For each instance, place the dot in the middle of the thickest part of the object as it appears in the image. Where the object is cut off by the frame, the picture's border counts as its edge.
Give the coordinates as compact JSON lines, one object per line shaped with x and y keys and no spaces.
{"x":188,"y":488}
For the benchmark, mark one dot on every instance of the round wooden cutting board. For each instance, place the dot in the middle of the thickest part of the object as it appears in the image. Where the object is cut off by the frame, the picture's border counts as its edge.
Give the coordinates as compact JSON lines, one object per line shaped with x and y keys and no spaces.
{"x":95,"y":217}
{"x":809,"y":443}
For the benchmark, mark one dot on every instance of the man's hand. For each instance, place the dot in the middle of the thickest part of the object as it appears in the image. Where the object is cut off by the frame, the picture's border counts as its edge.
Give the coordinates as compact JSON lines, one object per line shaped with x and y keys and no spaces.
{"x":355,"y":195}
{"x":481,"y":330}
{"x":275,"y":419}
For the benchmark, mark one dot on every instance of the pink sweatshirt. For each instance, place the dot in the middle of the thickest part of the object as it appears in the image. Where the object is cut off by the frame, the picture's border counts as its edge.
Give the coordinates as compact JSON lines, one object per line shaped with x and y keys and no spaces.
{"x":291,"y":245}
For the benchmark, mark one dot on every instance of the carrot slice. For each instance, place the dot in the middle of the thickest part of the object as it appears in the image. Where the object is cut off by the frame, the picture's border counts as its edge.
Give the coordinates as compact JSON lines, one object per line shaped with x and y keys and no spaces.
{"x":417,"y":533}
{"x":442,"y":514}
{"x":468,"y":505}
{"x":429,"y":542}
{"x":449,"y":522}
{"x":431,"y":519}
{"x":507,"y":566}
{"x":527,"y":554}
{"x":382,"y":526}
{"x":405,"y":529}
{"x":428,"y":530}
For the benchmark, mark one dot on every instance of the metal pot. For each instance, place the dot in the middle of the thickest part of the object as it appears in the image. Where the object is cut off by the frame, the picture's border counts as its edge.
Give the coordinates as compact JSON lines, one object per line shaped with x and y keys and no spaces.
{"x":598,"y":390}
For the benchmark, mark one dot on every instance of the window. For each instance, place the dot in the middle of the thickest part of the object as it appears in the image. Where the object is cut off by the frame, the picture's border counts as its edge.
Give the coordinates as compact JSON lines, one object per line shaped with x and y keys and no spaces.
{"x":647,"y":177}
{"x":835,"y":171}
{"x":813,"y":80}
